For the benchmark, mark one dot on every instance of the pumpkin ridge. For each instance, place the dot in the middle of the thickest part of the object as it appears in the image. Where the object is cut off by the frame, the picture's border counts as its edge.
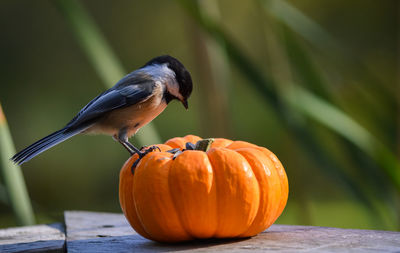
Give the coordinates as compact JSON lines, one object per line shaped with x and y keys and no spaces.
{"x":283,"y":183}
{"x":221,"y":143}
{"x":258,"y":187}
{"x":174,"y":207}
{"x":125,"y":195}
{"x":142,"y":224}
{"x":215,"y":185}
{"x":259,"y":190}
{"x":146,"y":234}
{"x":192,"y":182}
{"x":265,"y":181}
{"x":216,"y":193}
{"x":235,"y":189}
{"x":161,"y":222}
{"x":191,"y":138}
{"x":221,"y":226}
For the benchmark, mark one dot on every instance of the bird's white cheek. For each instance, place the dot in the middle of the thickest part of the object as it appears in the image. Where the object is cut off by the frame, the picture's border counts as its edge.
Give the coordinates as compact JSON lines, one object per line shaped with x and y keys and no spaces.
{"x":173,"y":89}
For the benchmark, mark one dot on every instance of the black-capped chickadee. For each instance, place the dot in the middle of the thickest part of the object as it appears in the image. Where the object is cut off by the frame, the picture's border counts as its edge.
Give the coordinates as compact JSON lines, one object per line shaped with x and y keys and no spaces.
{"x":121,"y":111}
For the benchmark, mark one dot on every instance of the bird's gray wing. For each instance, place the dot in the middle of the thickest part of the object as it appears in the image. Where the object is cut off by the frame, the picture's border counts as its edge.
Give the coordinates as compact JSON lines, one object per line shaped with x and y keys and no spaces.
{"x":130,"y":92}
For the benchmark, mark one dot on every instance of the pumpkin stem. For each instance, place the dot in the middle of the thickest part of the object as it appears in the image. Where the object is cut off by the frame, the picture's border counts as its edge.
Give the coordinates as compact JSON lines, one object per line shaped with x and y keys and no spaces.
{"x":204,"y":145}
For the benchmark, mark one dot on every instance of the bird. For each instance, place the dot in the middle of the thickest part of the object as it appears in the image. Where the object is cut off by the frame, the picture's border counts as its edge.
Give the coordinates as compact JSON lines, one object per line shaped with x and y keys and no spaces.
{"x":122,"y":110}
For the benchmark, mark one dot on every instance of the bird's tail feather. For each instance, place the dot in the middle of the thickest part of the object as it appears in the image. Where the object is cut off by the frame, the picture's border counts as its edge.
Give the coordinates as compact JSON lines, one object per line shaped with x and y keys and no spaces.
{"x":44,"y":144}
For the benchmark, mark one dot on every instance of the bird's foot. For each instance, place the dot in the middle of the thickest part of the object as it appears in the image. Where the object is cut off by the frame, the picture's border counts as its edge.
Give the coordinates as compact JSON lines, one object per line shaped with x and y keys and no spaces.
{"x":142,"y":154}
{"x":177,"y":151}
{"x":173,"y":151}
{"x":151,"y":149}
{"x":190,"y":146}
{"x":134,"y":165}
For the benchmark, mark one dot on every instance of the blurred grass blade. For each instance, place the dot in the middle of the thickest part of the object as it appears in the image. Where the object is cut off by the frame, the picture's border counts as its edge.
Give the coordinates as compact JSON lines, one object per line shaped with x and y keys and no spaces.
{"x":314,"y":33}
{"x":281,"y":71}
{"x":262,"y":84}
{"x":100,"y":54}
{"x":300,"y":23}
{"x":311,"y":76}
{"x":212,"y":63}
{"x":305,"y":104}
{"x":328,"y":115}
{"x":3,"y":195}
{"x":92,"y":42}
{"x":334,"y":170}
{"x":13,"y":178}
{"x":304,"y":66}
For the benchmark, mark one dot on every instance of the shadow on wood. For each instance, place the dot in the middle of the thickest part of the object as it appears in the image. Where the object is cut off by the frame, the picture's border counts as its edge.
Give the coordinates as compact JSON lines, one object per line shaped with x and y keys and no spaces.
{"x":105,"y":232}
{"x":136,"y":243}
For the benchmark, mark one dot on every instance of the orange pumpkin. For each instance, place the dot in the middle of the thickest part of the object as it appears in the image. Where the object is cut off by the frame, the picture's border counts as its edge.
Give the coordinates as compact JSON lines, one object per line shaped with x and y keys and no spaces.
{"x":235,"y":189}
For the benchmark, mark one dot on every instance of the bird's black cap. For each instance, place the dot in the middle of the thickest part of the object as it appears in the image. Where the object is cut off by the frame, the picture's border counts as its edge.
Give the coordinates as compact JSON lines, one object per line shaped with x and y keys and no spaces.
{"x":182,"y":75}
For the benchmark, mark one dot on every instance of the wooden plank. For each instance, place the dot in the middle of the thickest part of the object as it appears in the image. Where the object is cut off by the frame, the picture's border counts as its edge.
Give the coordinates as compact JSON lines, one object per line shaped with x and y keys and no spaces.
{"x":104,"y":232}
{"x":39,"y":238}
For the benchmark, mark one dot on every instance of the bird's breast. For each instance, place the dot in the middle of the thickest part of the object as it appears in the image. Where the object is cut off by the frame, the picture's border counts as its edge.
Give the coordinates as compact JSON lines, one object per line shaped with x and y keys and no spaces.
{"x":130,"y":118}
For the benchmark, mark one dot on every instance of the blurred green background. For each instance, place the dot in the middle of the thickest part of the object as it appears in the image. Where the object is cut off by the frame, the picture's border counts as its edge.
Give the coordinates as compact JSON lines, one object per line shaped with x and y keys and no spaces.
{"x":316,"y":82}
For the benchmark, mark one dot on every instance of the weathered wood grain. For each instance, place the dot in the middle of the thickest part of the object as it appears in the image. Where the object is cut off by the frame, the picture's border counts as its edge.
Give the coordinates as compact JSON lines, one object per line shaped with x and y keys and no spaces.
{"x":104,"y":232}
{"x":40,"y":238}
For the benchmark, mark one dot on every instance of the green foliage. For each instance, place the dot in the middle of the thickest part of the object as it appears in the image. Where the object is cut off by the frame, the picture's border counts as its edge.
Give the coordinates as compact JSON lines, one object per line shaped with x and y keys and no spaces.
{"x":100,"y":54}
{"x":312,"y":81}
{"x":294,"y":101}
{"x":15,"y":190}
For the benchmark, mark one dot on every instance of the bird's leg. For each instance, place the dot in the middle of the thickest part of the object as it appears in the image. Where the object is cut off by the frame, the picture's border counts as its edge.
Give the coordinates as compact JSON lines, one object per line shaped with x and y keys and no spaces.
{"x":142,"y":154}
{"x":132,"y":150}
{"x":128,"y":146}
{"x":135,"y":149}
{"x":152,"y":148}
{"x":123,"y":139}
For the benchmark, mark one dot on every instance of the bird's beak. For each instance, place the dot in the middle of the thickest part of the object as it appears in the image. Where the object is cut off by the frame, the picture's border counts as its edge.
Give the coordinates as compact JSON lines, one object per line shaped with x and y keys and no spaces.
{"x":185,"y":104}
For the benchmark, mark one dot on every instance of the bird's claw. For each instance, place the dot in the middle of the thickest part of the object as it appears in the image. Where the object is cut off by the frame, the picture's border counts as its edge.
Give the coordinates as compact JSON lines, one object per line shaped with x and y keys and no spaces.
{"x":142,"y":154}
{"x":176,"y":154}
{"x":190,"y":146}
{"x":177,"y":151}
{"x":134,"y":165}
{"x":152,"y":148}
{"x":173,"y":151}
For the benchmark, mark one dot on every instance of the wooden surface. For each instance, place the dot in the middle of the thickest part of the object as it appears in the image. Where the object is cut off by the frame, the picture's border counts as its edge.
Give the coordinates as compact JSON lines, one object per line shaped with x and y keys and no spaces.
{"x":40,"y":238}
{"x":104,"y":232}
